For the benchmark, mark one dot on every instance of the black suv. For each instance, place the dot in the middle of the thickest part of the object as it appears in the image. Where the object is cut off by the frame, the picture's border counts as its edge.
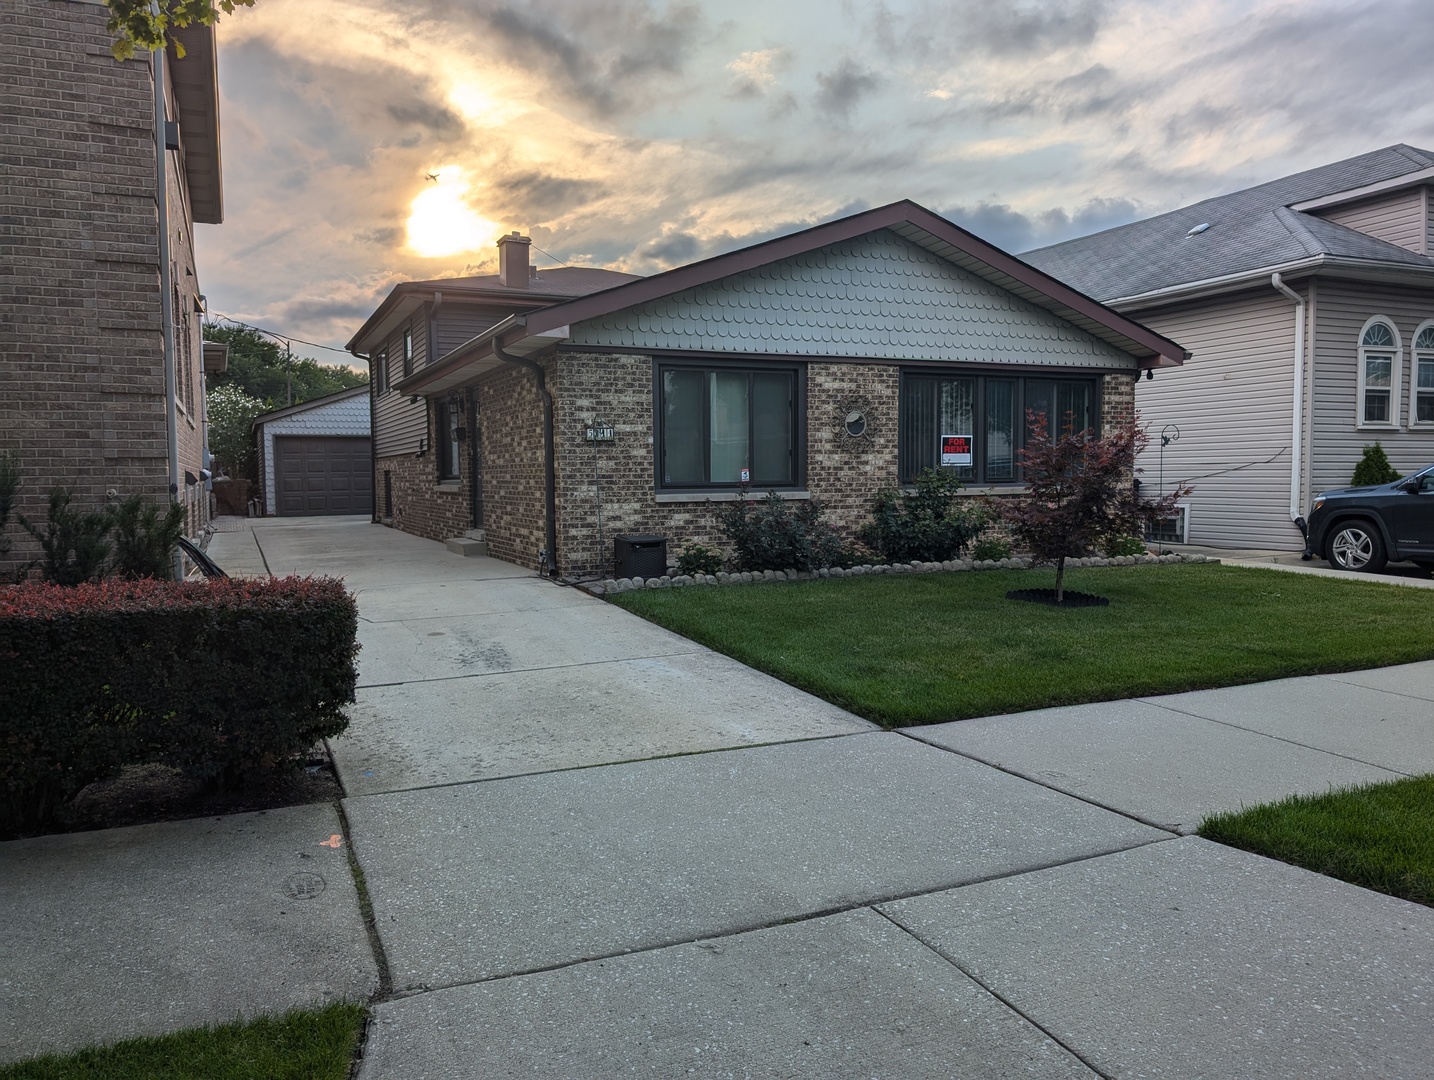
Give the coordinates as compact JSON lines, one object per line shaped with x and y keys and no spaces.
{"x":1362,"y":528}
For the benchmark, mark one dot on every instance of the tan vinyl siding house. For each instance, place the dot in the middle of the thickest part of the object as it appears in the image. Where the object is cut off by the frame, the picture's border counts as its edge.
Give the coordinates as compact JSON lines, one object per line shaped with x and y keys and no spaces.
{"x":1262,"y":430}
{"x":1231,"y":405}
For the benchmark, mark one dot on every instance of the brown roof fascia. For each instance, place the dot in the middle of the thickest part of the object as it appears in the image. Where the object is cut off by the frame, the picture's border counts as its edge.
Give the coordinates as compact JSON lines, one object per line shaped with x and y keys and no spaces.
{"x":195,"y":81}
{"x":1163,"y":350}
{"x":452,"y":292}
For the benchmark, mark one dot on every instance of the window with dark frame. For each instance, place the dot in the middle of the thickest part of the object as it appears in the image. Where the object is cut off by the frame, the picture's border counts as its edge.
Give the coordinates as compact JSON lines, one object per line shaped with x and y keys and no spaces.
{"x":447,"y":418}
{"x":973,"y":425}
{"x":725,"y":426}
{"x":407,"y":351}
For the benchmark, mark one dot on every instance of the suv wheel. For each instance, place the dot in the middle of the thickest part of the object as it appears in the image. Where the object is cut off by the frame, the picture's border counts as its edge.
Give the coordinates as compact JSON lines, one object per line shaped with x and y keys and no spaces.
{"x":1355,"y":545}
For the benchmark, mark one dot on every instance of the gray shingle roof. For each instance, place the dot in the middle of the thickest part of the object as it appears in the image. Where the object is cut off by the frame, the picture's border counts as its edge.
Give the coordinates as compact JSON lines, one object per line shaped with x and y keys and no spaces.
{"x":1249,"y":229}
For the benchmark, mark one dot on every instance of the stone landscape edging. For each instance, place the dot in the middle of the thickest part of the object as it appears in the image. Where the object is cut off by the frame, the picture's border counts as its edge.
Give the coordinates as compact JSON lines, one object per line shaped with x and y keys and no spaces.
{"x":612,"y":586}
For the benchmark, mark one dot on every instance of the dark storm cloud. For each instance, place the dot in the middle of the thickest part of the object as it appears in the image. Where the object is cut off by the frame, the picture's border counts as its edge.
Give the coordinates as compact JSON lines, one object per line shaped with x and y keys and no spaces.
{"x":841,"y":89}
{"x":309,"y":311}
{"x":534,"y":196}
{"x":937,"y":31}
{"x":437,"y":118}
{"x":384,"y":237}
{"x":597,"y":53}
{"x":1011,"y":230}
{"x":673,"y":249}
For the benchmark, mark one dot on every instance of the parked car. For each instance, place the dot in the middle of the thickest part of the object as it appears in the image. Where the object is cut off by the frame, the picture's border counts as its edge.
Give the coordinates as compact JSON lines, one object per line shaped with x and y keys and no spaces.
{"x":1362,"y":528}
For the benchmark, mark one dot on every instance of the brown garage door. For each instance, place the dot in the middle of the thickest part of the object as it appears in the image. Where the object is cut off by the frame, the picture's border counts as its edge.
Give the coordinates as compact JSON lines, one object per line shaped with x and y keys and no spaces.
{"x":314,"y":475}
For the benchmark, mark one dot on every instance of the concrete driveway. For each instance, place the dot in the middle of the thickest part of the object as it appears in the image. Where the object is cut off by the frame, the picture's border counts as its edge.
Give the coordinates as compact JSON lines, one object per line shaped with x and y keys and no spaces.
{"x":593,"y":848}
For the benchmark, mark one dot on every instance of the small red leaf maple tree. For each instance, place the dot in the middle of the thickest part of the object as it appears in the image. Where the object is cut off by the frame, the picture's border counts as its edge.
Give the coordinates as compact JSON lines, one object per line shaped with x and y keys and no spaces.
{"x":1081,"y":492}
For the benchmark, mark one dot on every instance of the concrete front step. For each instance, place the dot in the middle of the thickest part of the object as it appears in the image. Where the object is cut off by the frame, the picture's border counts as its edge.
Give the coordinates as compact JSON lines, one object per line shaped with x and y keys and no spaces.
{"x":467,"y":546}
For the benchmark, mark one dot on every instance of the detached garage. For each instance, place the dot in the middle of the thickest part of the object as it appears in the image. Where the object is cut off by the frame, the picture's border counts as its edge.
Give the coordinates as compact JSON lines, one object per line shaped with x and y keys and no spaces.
{"x":316,"y":458}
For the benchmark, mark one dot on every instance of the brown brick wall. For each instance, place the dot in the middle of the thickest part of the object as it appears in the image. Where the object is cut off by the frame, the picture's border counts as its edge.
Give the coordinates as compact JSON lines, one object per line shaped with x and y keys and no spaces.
{"x":420,"y":505}
{"x":1117,"y":400}
{"x":82,"y":391}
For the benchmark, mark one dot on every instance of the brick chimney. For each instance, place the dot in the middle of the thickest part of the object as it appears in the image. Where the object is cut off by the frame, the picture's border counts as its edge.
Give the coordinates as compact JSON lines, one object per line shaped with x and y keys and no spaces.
{"x":513,"y":260}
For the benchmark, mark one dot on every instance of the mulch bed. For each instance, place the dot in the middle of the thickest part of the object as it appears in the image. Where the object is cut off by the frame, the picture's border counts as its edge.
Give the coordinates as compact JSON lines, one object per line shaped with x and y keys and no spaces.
{"x":1048,"y":596}
{"x":142,"y":794}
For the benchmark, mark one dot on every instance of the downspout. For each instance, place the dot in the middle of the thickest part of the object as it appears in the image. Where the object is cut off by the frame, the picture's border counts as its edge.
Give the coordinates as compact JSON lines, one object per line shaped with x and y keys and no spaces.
{"x":550,"y":472}
{"x":377,"y":516}
{"x":161,"y":192}
{"x":1297,"y":439}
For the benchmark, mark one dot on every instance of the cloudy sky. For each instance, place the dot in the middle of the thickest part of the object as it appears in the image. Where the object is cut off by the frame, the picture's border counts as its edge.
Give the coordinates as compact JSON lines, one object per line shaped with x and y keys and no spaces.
{"x":640,"y":134}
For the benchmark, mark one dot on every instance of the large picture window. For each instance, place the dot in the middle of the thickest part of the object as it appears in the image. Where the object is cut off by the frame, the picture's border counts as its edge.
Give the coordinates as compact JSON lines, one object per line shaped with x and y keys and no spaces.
{"x":1421,"y":400}
{"x":727,"y":426}
{"x":1378,"y":374}
{"x":973,"y":425}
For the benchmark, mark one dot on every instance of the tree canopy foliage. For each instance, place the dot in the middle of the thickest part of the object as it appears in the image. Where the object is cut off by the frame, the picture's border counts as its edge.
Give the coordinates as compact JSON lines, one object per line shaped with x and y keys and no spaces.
{"x":1080,"y":492}
{"x":258,"y":367}
{"x":231,"y":431}
{"x":146,"y":25}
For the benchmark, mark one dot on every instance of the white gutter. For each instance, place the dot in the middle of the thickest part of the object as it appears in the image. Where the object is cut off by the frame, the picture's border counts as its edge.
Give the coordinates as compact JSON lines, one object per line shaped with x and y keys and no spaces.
{"x":1297,"y":412}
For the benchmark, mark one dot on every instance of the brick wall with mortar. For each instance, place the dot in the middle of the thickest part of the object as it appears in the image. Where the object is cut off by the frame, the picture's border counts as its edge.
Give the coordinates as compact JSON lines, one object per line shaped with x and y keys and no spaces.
{"x":510,"y":430}
{"x":82,"y":395}
{"x":844,"y":473}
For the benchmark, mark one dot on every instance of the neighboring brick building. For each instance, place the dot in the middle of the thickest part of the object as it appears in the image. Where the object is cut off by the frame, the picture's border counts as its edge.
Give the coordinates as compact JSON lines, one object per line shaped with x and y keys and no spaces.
{"x":83,"y":397}
{"x":827,"y":364}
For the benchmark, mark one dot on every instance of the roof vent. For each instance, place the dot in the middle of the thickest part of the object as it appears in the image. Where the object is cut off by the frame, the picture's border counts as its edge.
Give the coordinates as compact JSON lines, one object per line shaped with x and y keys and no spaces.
{"x":1198,"y":229}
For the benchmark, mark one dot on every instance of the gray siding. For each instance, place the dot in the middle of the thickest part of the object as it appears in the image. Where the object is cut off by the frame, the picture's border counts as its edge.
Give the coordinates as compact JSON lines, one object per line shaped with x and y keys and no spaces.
{"x":453,"y":325}
{"x":1341,"y":311}
{"x":1232,"y":403}
{"x":398,"y":423}
{"x":876,"y":297}
{"x":1398,"y":218}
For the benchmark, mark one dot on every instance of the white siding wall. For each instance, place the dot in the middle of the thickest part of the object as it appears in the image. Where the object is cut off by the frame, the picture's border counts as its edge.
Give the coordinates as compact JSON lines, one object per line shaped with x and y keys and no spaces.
{"x":1232,"y":403}
{"x":399,"y":424}
{"x":349,"y":417}
{"x":1341,"y":311}
{"x":1398,"y":218}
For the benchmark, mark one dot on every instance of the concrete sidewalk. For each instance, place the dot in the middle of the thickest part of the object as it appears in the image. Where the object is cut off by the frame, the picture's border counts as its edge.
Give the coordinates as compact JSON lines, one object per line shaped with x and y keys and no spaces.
{"x":594,"y":848}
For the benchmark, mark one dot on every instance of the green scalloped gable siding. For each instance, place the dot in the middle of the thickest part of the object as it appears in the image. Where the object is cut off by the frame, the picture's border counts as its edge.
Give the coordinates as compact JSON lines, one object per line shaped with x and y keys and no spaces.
{"x":875,"y":297}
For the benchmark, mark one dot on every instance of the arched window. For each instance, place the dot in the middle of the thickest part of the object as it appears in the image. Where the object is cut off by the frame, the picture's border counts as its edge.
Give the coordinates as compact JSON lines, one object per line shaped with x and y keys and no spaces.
{"x":1378,"y":374}
{"x":1421,"y":381}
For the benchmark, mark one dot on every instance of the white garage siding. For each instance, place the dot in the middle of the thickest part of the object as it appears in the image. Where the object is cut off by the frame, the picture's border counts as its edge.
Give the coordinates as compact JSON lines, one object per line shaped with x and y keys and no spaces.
{"x":346,"y":416}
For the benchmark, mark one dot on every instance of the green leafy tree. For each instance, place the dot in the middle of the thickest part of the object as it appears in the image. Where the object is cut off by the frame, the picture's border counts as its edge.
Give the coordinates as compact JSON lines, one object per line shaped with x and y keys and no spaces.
{"x":261,"y":368}
{"x":9,"y":483}
{"x":1374,"y":468}
{"x":148,"y":24}
{"x":231,"y":434}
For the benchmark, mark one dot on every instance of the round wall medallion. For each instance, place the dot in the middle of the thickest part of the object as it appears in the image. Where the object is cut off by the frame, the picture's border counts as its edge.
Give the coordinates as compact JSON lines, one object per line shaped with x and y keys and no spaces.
{"x":854,"y":420}
{"x":856,"y":423}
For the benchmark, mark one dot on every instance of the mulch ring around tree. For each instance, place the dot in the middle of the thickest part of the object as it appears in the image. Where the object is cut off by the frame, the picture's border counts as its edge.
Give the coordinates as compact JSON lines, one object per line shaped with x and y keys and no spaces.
{"x":1048,"y":596}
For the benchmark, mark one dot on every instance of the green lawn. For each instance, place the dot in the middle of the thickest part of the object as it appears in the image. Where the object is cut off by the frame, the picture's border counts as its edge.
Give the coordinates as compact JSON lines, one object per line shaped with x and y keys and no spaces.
{"x":924,"y":648}
{"x":304,"y":1045}
{"x":1380,"y":836}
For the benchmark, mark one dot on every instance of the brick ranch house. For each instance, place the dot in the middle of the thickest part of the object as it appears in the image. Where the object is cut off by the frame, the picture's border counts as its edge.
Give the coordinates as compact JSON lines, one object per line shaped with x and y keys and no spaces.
{"x":827,"y":364}
{"x":99,"y":301}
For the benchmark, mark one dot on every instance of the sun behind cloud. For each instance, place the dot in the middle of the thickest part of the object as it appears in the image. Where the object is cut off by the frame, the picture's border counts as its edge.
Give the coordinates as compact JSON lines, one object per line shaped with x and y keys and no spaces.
{"x":441,"y":222}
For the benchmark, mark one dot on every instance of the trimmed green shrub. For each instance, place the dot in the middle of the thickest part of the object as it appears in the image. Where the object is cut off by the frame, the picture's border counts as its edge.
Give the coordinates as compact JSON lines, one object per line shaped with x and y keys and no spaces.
{"x":928,"y":524}
{"x":775,"y":534}
{"x":697,"y":559}
{"x":1124,"y":545}
{"x":226,"y":680}
{"x":9,"y":483}
{"x":74,"y":543}
{"x":1374,"y":468}
{"x":144,"y":542}
{"x":990,"y":548}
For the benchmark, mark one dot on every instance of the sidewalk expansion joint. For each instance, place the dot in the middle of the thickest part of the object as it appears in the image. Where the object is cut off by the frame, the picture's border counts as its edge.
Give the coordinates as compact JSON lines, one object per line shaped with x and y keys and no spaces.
{"x":1378,"y":690}
{"x":1042,"y":783}
{"x":524,"y":671}
{"x":1007,"y":1002}
{"x":603,"y":765}
{"x":1276,"y":738}
{"x":415,"y":989}
{"x":262,"y":557}
{"x":370,"y":924}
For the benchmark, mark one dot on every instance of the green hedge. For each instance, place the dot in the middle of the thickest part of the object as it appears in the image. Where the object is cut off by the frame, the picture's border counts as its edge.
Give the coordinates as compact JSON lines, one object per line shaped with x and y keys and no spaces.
{"x":225,"y":680}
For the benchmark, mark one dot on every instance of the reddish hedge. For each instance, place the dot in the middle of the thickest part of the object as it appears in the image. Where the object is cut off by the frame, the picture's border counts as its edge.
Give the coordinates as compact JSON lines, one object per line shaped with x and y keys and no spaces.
{"x":224,"y":680}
